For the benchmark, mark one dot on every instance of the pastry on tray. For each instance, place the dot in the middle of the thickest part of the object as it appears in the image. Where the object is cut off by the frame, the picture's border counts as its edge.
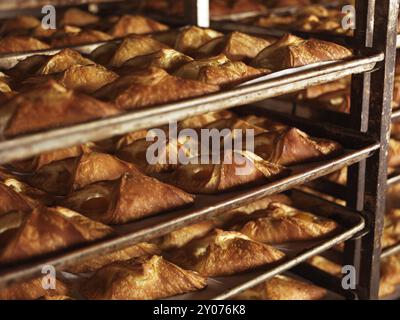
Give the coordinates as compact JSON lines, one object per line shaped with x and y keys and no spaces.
{"x":150,"y":88}
{"x":19,"y":24}
{"x":46,"y":230}
{"x":291,"y":51}
{"x":67,"y":175}
{"x":236,"y":46}
{"x":131,"y":197}
{"x":191,"y":38}
{"x":78,"y":17}
{"x":222,"y":253}
{"x":135,"y":251}
{"x":280,"y":223}
{"x":13,"y":44}
{"x":283,"y":288}
{"x":218,"y":70}
{"x":135,"y":24}
{"x":80,"y":38}
{"x":10,"y":201}
{"x":390,"y":275}
{"x":49,"y":106}
{"x":391,"y":230}
{"x":143,"y":278}
{"x":167,"y":59}
{"x":33,"y":289}
{"x":238,"y":169}
{"x":394,"y":153}
{"x":202,"y":120}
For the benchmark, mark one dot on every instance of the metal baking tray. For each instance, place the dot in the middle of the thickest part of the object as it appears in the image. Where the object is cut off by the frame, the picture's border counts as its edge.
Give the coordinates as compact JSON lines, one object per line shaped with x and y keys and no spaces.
{"x":269,"y":86}
{"x":205,"y":206}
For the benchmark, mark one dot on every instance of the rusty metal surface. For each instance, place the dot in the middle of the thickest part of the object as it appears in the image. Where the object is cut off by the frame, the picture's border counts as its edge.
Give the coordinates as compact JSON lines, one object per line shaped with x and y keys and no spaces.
{"x":26,"y":146}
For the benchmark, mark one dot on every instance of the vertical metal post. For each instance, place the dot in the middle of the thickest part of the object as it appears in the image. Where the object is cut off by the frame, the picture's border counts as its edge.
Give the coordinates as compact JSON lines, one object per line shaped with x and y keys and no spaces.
{"x":197,"y":12}
{"x":380,"y":98}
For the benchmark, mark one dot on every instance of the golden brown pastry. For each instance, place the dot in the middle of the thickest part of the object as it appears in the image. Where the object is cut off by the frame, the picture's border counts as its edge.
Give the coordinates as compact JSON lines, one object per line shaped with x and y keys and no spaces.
{"x":326,"y":265}
{"x":218,"y":70}
{"x":135,"y":251}
{"x":236,"y":46}
{"x":32,"y":290}
{"x":394,"y":153}
{"x":181,"y":237}
{"x":191,"y":38}
{"x":18,"y":24}
{"x":280,"y":223}
{"x":391,"y":231}
{"x":64,"y":176}
{"x":222,"y":253}
{"x":11,"y":200}
{"x":43,"y":159}
{"x":82,"y":37}
{"x":228,"y":7}
{"x":238,"y":169}
{"x":141,"y":279}
{"x":78,"y":17}
{"x":167,"y":59}
{"x":291,"y":51}
{"x":134,"y":24}
{"x":265,"y":123}
{"x":273,"y":20}
{"x":12,"y":44}
{"x":131,"y":47}
{"x":390,"y":275}
{"x":321,"y":89}
{"x":202,"y":120}
{"x":49,"y":106}
{"x":131,"y":197}
{"x":283,"y":288}
{"x":337,"y":101}
{"x":151,"y":87}
{"x":46,"y":230}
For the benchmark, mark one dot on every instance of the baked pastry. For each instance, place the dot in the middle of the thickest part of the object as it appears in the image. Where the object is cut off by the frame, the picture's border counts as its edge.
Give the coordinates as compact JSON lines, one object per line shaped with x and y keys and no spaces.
{"x":131,"y":197}
{"x":33,"y":289}
{"x":280,"y":223}
{"x":292,"y":146}
{"x":131,"y":47}
{"x":181,"y":237}
{"x":326,"y":265}
{"x":39,"y":161}
{"x":291,"y":51}
{"x":135,"y":24}
{"x":151,"y":87}
{"x":273,"y":20}
{"x":265,"y":123}
{"x":78,"y":17}
{"x":167,"y":59}
{"x":64,"y":176}
{"x":48,"y":106}
{"x":141,"y":279}
{"x":337,"y":101}
{"x":135,"y":251}
{"x":227,"y":7}
{"x":321,"y":89}
{"x":12,"y":201}
{"x":13,"y":44}
{"x":394,"y":153}
{"x":191,"y":38}
{"x":391,"y":231}
{"x":218,"y":70}
{"x":202,"y":120}
{"x":236,"y":46}
{"x":46,"y":230}
{"x":390,"y":275}
{"x":82,"y":37}
{"x":223,"y":253}
{"x":19,"y":24}
{"x":283,"y":288}
{"x":237,"y":169}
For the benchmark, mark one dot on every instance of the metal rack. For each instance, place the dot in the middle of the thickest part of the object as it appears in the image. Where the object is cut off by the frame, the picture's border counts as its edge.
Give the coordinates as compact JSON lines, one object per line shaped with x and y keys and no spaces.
{"x":370,"y":118}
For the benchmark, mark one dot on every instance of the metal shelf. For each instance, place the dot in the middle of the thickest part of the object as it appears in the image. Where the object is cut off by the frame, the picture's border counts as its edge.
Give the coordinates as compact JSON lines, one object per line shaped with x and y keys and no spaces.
{"x":294,"y":80}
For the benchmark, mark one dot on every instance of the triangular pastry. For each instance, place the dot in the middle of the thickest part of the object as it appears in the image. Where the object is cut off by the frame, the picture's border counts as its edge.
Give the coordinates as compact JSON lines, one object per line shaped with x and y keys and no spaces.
{"x":12,"y":44}
{"x":46,"y":230}
{"x":191,"y":38}
{"x":237,"y":170}
{"x":33,"y":289}
{"x":131,"y":47}
{"x":167,"y":59}
{"x":218,"y":70}
{"x":141,"y":279}
{"x":49,"y":106}
{"x":236,"y":46}
{"x":151,"y":87}
{"x":291,"y":51}
{"x":222,"y":253}
{"x":135,"y":251}
{"x":78,"y":17}
{"x":280,"y":223}
{"x":62,"y":177}
{"x":80,"y":38}
{"x":135,"y":24}
{"x":129,"y":198}
{"x":18,"y":24}
{"x":283,"y":288}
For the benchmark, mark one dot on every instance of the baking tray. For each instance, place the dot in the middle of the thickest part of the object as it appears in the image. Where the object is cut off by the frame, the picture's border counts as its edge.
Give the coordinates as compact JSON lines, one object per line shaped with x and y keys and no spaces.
{"x":273,"y":85}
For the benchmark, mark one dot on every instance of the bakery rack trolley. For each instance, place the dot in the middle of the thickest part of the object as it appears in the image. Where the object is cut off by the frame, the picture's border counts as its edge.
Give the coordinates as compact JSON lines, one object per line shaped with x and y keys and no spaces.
{"x":373,"y":73}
